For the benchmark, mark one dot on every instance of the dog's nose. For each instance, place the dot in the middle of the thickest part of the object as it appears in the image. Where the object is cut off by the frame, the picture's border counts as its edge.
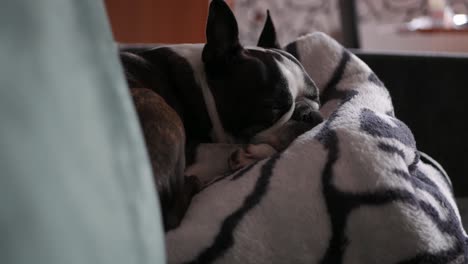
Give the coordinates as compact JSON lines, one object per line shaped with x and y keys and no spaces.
{"x":314,"y":118}
{"x":306,"y":114}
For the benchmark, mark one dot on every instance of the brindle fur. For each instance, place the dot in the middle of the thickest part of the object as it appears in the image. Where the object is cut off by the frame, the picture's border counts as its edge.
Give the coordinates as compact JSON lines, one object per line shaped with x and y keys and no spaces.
{"x":165,"y":142}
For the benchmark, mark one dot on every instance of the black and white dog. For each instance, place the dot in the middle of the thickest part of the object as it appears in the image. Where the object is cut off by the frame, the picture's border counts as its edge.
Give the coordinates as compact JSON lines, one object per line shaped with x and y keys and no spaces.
{"x":226,"y":93}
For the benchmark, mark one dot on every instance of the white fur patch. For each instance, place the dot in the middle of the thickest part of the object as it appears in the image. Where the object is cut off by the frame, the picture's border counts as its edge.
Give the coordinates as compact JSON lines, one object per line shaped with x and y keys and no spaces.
{"x":296,"y":84}
{"x":192,"y":52}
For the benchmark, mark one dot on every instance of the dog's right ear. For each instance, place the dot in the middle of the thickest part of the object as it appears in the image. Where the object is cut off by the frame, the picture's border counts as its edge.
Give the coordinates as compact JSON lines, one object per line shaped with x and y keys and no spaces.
{"x":222,"y":33}
{"x":268,"y":37}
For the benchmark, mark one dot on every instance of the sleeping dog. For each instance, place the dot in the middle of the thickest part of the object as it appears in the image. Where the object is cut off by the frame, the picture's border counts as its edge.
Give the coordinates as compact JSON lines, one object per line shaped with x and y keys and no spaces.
{"x":223,"y":93}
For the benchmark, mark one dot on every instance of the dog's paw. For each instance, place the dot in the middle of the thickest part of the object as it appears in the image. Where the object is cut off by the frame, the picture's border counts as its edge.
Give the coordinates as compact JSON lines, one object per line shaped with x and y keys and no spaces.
{"x":249,"y":154}
{"x":239,"y":159}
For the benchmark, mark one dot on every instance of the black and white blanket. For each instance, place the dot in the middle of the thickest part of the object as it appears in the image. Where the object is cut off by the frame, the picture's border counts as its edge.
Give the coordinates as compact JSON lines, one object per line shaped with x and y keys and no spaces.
{"x":354,"y":189}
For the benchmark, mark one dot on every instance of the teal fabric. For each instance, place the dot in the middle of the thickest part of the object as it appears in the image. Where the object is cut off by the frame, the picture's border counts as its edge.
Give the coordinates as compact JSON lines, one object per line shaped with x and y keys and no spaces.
{"x":75,"y":182}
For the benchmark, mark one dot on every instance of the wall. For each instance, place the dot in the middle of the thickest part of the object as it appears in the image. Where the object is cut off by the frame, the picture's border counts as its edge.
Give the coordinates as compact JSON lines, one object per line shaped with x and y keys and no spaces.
{"x":381,"y":19}
{"x":292,"y":18}
{"x":377,"y":22}
{"x":158,"y":21}
{"x":391,"y":11}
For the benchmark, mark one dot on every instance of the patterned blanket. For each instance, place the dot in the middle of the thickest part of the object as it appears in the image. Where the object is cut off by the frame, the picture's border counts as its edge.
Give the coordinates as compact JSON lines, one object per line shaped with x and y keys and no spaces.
{"x":354,"y":189}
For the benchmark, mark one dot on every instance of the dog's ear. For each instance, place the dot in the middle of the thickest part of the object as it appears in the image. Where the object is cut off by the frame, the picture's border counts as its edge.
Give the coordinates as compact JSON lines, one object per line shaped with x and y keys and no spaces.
{"x":222,"y":33}
{"x":268,"y":38}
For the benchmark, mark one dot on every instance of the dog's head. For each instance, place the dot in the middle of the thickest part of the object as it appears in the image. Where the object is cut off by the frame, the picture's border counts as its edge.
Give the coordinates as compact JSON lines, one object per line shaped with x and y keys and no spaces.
{"x":256,"y":89}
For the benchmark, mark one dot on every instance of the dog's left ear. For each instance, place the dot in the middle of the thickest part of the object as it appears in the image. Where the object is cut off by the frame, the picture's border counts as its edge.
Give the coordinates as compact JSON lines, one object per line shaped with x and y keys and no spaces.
{"x":222,"y":34}
{"x":268,"y":37}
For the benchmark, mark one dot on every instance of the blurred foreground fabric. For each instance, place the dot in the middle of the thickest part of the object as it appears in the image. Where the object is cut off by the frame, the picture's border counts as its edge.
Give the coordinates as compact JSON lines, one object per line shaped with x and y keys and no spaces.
{"x":75,"y":184}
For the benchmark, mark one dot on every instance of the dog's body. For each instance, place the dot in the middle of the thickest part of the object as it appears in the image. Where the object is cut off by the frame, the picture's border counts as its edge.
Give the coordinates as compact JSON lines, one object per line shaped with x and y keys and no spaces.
{"x":220,"y":114}
{"x":164,"y":136}
{"x":225,"y":93}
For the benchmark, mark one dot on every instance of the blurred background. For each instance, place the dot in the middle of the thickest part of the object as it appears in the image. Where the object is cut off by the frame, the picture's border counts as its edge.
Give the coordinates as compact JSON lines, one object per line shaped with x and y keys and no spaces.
{"x":413,"y":25}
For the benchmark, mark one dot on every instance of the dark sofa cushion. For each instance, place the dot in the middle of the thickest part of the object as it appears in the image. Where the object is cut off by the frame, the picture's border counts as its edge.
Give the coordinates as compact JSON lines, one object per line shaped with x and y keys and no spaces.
{"x":429,"y":93}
